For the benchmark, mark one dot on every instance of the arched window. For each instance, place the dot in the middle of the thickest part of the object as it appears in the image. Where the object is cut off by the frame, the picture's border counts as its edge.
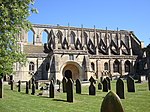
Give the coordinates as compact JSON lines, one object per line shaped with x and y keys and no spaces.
{"x":116,"y":66}
{"x":30,"y":36}
{"x":127,"y":66}
{"x":92,"y":66}
{"x":72,"y":37}
{"x":31,"y":66}
{"x":105,"y":66}
{"x":59,"y":36}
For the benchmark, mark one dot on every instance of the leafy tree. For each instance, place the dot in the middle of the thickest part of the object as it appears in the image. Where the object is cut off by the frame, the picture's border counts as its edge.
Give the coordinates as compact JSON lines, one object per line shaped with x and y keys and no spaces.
{"x":13,"y":19}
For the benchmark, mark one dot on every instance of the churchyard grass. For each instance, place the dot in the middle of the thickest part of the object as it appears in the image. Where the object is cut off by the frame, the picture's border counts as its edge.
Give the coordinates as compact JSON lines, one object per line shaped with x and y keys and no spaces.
{"x":14,"y":101}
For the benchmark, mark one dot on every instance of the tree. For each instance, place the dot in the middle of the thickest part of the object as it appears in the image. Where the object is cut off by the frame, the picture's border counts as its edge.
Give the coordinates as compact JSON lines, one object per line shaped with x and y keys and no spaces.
{"x":13,"y":19}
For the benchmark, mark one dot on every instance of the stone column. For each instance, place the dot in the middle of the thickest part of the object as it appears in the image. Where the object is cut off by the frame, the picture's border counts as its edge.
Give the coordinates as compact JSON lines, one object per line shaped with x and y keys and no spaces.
{"x":95,"y":41}
{"x":132,"y":67}
{"x":99,"y":68}
{"x":122,"y":68}
{"x":111,"y":66}
{"x":108,"y":44}
{"x":120,"y":48}
{"x":130,"y":46}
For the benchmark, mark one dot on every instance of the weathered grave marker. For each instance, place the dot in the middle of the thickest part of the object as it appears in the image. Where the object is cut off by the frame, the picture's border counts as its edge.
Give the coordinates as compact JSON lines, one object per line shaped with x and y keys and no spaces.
{"x":64,"y":81}
{"x":36,"y":85}
{"x":29,"y":84}
{"x":11,"y":84}
{"x":27,"y":87}
{"x":92,"y":89}
{"x":111,"y":103}
{"x":69,"y":88}
{"x":78,"y":86}
{"x":130,"y":84}
{"x":19,"y":86}
{"x":51,"y":90}
{"x":58,"y":82}
{"x":109,"y":83}
{"x":120,"y":88}
{"x":105,"y":85}
{"x":33,"y":80}
{"x":101,"y":79}
{"x":149,"y":83}
{"x":1,"y":88}
{"x":99,"y":86}
{"x":33,"y":89}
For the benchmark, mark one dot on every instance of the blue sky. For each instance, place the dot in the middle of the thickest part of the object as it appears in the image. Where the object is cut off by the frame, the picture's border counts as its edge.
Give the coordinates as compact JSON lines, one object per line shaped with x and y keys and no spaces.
{"x":133,"y":15}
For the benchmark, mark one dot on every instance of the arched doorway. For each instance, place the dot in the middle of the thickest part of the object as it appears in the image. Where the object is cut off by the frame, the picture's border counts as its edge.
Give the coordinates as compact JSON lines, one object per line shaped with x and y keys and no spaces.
{"x":71,"y":70}
{"x":68,"y":74}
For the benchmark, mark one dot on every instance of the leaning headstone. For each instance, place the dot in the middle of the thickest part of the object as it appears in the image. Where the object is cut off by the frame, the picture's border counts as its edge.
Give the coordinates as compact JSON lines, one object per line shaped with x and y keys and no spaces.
{"x":99,"y":86}
{"x":109,"y":83}
{"x":27,"y":87}
{"x":111,"y":103}
{"x":11,"y":84}
{"x":130,"y":84}
{"x":120,"y":88}
{"x":51,"y":90}
{"x":105,"y":85}
{"x":29,"y":84}
{"x":92,"y":89}
{"x":33,"y":80}
{"x":1,"y":88}
{"x":64,"y":81}
{"x":33,"y":89}
{"x":36,"y":85}
{"x":149,"y":83}
{"x":78,"y":86}
{"x":69,"y":88}
{"x":19,"y":86}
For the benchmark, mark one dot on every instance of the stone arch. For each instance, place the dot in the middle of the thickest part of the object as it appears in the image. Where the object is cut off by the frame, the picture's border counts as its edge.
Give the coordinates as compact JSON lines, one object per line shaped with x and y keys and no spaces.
{"x":31,"y":36}
{"x":45,"y":36}
{"x":74,"y":68}
{"x":85,"y":35}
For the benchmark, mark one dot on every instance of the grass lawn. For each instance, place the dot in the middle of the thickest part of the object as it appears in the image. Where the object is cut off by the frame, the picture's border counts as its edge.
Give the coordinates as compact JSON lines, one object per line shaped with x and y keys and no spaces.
{"x":14,"y":101}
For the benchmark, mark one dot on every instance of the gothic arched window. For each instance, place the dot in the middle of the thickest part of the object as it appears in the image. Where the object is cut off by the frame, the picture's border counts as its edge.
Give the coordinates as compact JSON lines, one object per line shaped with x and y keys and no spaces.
{"x":105,"y":66}
{"x":127,"y":66}
{"x":31,"y":66}
{"x":92,"y":66}
{"x":116,"y":66}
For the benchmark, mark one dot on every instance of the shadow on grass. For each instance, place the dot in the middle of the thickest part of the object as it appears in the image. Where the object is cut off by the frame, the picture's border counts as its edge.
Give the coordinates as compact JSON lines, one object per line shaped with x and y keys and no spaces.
{"x":59,"y":100}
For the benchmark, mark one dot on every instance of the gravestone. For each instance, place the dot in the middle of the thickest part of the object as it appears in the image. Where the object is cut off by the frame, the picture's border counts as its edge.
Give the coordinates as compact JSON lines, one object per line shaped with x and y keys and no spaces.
{"x":111,"y":103}
{"x":149,"y":83}
{"x":130,"y":84}
{"x":33,"y":80}
{"x":11,"y":84}
{"x":120,"y":88}
{"x":58,"y":82}
{"x":99,"y":86}
{"x":92,"y":89}
{"x":29,"y":84}
{"x":33,"y":89}
{"x":1,"y":88}
{"x":78,"y":86}
{"x":27,"y":87}
{"x":101,"y":79}
{"x":64,"y":81}
{"x":69,"y":88}
{"x":36,"y":85}
{"x":105,"y":85}
{"x":109,"y":83}
{"x":19,"y":86}
{"x":51,"y":90}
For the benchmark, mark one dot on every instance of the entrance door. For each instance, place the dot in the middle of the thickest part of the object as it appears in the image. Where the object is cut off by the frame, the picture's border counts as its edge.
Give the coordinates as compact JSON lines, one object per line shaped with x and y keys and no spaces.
{"x":68,"y":74}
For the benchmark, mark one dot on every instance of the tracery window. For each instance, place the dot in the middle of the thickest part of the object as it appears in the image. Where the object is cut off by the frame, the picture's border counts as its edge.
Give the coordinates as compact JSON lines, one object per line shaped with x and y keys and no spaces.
{"x":31,"y":66}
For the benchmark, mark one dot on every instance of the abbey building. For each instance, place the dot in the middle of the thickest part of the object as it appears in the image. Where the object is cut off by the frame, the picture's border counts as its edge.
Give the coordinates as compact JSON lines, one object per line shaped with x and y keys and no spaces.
{"x":78,"y":53}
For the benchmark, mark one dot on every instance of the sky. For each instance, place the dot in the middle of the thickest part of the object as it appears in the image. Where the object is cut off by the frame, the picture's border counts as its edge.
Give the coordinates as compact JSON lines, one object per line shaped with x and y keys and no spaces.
{"x":131,"y":15}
